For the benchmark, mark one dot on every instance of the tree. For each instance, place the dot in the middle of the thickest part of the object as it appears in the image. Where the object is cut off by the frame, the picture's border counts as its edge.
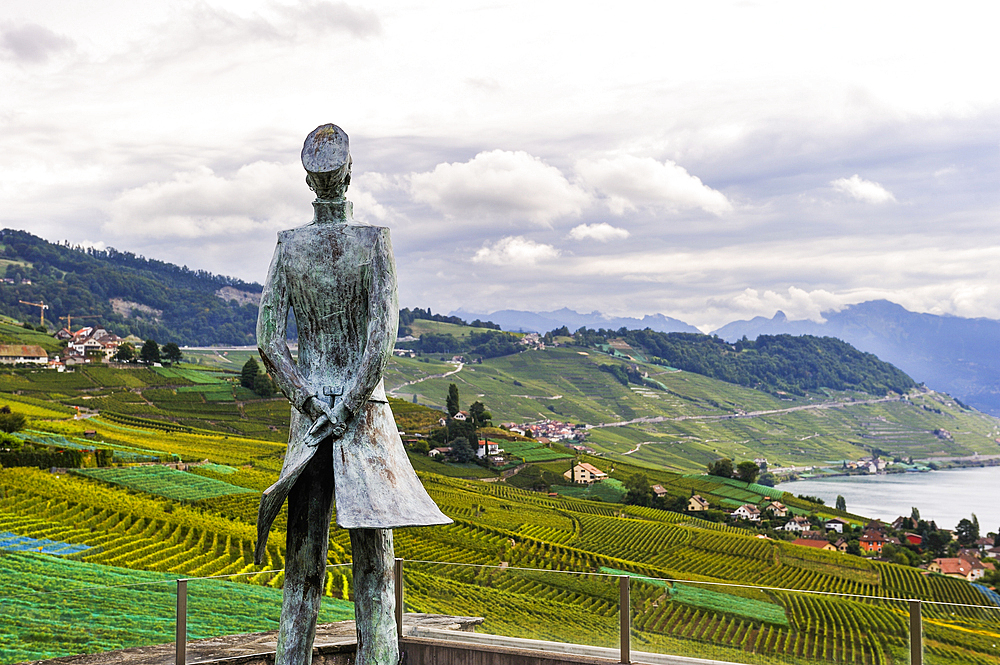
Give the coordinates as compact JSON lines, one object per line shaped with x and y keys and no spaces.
{"x":915,"y":514}
{"x":171,"y":352}
{"x":249,"y":373}
{"x":480,"y":416}
{"x":841,"y":503}
{"x":747,"y":471}
{"x":967,"y":531}
{"x":722,"y":468}
{"x":263,"y":385}
{"x":462,"y":451}
{"x":639,"y":491}
{"x":452,"y":402}
{"x":9,"y":421}
{"x":125,"y":353}
{"x":150,"y":352}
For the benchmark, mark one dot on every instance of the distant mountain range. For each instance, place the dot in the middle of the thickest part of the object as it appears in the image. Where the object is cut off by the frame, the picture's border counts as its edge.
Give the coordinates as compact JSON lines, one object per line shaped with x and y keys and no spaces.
{"x":541,"y":322}
{"x":948,"y":353}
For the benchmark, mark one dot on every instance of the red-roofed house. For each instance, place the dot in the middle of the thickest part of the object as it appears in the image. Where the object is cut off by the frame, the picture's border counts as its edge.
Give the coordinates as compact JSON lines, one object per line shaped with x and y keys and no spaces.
{"x":872,"y":541}
{"x":956,"y":567}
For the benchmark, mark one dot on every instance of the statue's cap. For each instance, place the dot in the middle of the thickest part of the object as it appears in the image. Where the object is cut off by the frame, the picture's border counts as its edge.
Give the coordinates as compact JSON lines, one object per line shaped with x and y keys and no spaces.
{"x":326,"y":149}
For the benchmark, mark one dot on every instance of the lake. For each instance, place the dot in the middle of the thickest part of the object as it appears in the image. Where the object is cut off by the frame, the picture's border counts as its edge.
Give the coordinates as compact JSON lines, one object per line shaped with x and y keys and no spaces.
{"x":944,"y":496}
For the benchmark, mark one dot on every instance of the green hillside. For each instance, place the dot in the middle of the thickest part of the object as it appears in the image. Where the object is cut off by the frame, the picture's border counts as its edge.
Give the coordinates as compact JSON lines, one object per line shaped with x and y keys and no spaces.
{"x":130,"y":294}
{"x":682,"y":421}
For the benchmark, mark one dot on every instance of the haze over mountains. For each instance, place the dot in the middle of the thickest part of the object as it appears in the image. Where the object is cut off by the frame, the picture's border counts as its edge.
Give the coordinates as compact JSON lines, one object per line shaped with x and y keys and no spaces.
{"x":540,"y":322}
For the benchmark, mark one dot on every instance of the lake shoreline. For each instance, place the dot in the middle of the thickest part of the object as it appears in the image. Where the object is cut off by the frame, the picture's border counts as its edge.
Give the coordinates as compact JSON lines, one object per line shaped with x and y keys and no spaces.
{"x":946,"y":495}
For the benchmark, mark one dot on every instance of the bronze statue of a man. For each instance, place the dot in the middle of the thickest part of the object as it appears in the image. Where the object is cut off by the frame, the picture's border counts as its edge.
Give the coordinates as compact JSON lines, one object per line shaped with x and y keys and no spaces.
{"x":339,"y":277}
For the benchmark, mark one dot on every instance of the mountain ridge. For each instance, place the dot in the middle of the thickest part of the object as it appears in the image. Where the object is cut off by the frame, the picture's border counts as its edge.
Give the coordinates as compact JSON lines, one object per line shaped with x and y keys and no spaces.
{"x":949,"y":353}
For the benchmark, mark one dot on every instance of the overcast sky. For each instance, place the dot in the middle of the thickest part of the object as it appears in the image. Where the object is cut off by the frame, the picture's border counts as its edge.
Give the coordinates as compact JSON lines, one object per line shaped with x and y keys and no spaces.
{"x":706,"y":160}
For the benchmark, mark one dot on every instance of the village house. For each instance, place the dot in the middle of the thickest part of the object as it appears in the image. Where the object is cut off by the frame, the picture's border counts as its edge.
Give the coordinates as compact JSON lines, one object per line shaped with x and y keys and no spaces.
{"x":461,"y":415}
{"x":697,"y":504}
{"x":777,"y":509}
{"x":13,"y":354}
{"x":836,"y":524}
{"x":435,"y":452}
{"x":913,"y":539}
{"x":747,"y":512}
{"x":984,"y":544}
{"x":876,"y":525}
{"x":958,"y":568}
{"x":872,"y":540}
{"x":659,"y":490}
{"x":585,"y":474}
{"x":797,"y":524}
{"x":841,"y":545}
{"x":816,"y":544}
{"x":488,"y":448}
{"x":813,"y":534}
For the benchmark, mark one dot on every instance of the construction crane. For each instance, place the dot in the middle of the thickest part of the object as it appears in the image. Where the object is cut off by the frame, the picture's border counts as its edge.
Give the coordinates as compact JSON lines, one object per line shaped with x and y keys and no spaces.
{"x":69,"y":319}
{"x":41,"y":306}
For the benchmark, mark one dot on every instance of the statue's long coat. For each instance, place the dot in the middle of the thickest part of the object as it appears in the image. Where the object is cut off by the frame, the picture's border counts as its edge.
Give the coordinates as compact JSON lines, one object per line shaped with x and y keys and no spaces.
{"x":339,"y":277}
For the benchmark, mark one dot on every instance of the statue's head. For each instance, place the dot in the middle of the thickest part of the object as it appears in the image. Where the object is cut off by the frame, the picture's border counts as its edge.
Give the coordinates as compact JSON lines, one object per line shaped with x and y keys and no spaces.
{"x":326,"y":156}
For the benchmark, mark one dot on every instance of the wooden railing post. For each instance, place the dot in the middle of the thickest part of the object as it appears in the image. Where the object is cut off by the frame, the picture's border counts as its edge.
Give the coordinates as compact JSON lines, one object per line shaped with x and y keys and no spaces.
{"x":398,"y":569}
{"x":916,"y":634}
{"x":180,"y":624}
{"x":625,"y":618}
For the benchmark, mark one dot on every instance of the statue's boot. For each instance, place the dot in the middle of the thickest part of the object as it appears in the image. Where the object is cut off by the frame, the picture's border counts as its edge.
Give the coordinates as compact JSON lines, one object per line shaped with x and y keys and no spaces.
{"x":374,"y":597}
{"x":310,"y":509}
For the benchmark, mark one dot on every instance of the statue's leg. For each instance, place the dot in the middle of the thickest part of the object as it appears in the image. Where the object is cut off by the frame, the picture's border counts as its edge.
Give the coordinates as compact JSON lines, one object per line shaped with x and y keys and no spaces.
{"x":374,"y":597}
{"x":310,"y":508}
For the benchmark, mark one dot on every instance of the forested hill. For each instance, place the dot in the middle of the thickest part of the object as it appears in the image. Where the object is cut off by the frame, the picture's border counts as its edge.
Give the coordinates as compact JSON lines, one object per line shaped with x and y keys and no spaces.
{"x":772,"y":362}
{"x":153,"y":299}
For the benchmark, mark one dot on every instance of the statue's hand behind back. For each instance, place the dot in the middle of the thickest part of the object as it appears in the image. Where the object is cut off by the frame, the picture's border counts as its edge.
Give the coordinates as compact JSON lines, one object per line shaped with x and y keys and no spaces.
{"x":324,"y":417}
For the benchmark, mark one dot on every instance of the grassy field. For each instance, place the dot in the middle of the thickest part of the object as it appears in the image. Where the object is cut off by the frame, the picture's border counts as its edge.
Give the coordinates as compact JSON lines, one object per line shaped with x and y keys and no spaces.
{"x":495,"y":524}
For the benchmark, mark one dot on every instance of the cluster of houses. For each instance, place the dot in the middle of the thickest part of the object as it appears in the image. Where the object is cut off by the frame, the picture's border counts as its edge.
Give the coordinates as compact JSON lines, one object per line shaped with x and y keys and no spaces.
{"x":83,"y":346}
{"x":90,"y":342}
{"x":548,"y":430}
{"x":867,"y":465}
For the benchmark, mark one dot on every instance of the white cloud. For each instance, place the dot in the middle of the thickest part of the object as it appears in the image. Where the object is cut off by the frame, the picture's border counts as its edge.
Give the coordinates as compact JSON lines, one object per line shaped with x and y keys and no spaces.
{"x":601,"y":232}
{"x":796,"y":303}
{"x":631,"y":182}
{"x":863,"y":190}
{"x":499,"y":184}
{"x":199,"y":203}
{"x":514,"y":251}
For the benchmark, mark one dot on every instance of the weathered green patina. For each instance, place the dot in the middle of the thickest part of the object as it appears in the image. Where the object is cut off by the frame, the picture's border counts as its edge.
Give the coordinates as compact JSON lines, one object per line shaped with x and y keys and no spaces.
{"x":339,"y":278}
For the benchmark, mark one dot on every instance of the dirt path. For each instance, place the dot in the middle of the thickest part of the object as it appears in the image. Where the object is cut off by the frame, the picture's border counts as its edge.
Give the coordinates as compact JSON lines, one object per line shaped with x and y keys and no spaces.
{"x":458,"y":369}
